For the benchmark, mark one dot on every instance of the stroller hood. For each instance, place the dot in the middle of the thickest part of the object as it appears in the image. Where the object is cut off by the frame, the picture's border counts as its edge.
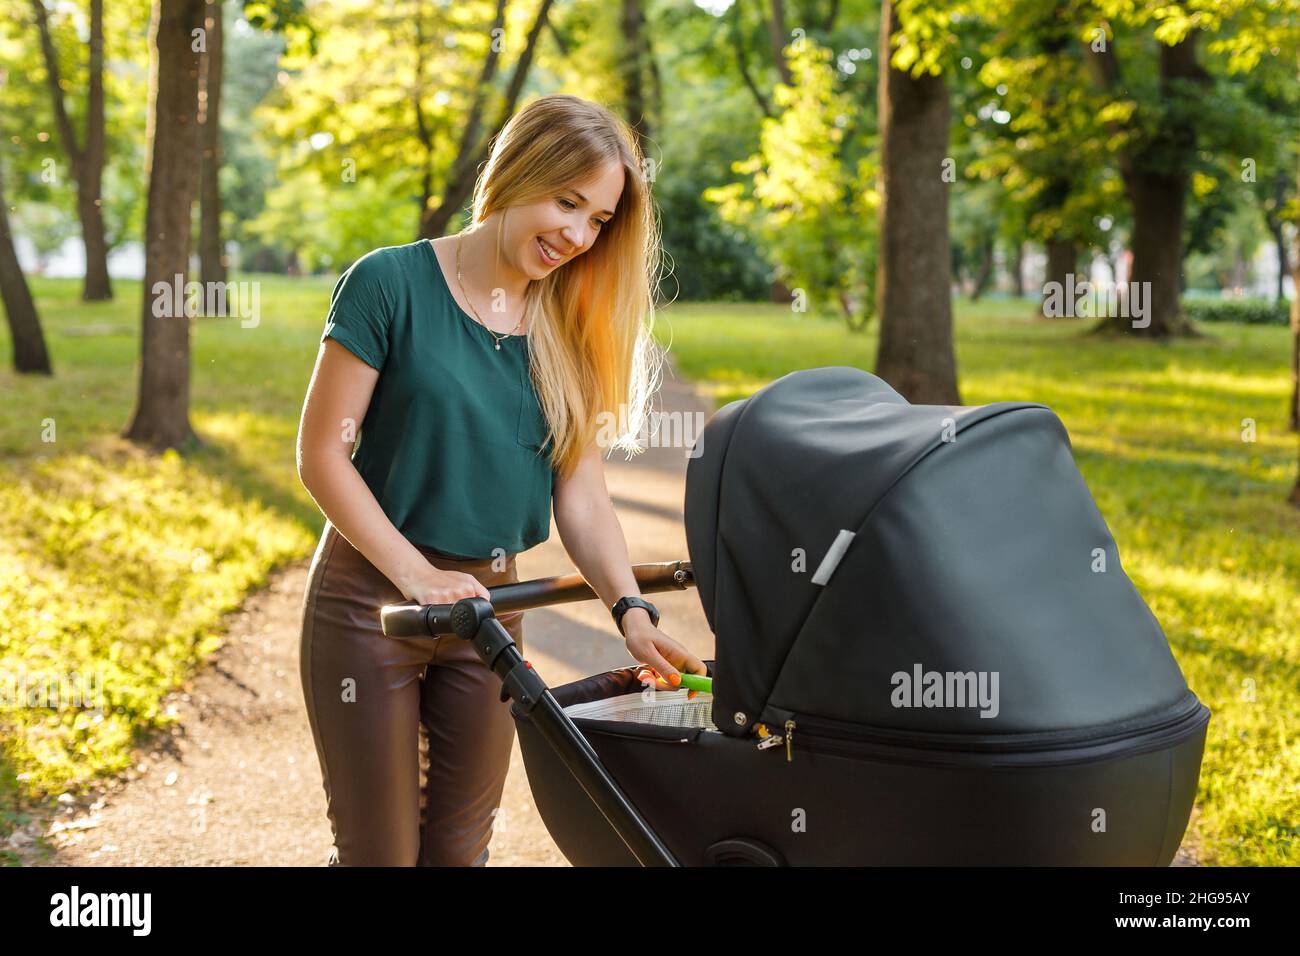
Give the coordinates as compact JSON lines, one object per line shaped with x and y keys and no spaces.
{"x":915,"y":568}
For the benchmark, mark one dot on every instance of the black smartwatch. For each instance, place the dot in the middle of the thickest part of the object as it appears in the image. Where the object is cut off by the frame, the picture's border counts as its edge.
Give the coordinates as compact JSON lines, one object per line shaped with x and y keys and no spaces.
{"x":623,"y":604}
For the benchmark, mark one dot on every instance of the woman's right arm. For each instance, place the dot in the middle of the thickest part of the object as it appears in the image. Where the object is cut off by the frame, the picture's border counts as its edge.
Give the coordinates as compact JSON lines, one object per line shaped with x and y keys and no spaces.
{"x":337,"y":400}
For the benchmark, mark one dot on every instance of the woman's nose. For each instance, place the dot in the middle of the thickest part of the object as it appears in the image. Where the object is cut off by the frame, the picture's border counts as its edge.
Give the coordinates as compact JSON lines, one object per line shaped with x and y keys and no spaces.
{"x":575,"y":237}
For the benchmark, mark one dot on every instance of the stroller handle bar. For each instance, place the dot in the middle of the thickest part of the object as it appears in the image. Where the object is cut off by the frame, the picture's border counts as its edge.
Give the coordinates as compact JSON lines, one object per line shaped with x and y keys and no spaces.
{"x":414,"y":620}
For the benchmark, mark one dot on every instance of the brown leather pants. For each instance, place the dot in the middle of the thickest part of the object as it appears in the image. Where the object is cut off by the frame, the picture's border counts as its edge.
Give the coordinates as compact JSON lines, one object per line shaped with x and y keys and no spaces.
{"x":413,"y":739}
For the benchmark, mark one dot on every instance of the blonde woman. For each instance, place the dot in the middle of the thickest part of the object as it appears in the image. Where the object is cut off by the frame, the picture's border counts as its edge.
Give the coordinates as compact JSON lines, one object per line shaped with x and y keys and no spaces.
{"x":480,"y":373}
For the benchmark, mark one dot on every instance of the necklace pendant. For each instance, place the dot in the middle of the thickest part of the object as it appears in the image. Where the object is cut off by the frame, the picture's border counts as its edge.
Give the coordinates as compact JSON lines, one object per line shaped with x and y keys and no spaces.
{"x":498,"y":346}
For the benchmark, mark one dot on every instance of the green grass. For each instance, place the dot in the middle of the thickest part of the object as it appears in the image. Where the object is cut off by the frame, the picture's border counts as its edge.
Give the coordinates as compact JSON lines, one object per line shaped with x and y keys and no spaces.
{"x":121,"y":564}
{"x":1199,"y":514}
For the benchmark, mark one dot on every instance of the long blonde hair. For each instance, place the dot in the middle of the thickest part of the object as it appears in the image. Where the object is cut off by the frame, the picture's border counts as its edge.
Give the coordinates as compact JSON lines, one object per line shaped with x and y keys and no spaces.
{"x":593,"y":362}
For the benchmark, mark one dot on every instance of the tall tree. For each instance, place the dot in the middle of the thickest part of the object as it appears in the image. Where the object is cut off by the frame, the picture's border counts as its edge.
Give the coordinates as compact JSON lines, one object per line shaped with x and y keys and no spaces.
{"x":636,"y":43}
{"x":1044,"y":144}
{"x":86,"y":161}
{"x":1160,"y":148}
{"x":212,"y":262}
{"x":913,"y":286}
{"x":30,"y":355}
{"x":161,"y":418}
{"x":473,"y":149}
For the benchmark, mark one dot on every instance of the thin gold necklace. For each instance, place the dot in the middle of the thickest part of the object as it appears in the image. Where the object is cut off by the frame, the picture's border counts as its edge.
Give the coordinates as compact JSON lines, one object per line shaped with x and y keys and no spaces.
{"x":460,"y":241}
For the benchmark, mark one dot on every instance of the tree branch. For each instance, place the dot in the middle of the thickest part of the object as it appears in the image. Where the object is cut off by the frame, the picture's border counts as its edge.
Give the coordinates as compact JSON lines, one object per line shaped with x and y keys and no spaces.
{"x":56,"y":88}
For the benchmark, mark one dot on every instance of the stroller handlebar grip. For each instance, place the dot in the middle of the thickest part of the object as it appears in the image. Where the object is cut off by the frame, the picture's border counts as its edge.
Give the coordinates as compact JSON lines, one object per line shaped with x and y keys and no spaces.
{"x":414,"y":620}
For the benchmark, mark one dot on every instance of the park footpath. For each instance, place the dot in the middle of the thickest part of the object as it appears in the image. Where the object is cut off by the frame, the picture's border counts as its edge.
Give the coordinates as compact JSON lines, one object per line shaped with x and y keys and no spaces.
{"x":236,"y":781}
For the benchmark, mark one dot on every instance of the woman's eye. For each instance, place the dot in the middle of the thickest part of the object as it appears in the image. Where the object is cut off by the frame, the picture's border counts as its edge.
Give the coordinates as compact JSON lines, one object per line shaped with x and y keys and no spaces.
{"x":573,"y":205}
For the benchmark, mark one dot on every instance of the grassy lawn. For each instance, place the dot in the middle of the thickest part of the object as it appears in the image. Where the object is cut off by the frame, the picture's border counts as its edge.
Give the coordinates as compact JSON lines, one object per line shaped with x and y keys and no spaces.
{"x":120,"y":565}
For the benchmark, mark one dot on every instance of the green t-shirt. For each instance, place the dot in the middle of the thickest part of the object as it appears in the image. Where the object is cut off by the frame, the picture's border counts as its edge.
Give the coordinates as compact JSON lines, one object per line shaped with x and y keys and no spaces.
{"x":454,"y":445}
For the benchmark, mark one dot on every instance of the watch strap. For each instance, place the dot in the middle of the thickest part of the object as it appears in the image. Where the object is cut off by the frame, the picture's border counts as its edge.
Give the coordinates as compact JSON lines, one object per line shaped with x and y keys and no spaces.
{"x":624,"y":604}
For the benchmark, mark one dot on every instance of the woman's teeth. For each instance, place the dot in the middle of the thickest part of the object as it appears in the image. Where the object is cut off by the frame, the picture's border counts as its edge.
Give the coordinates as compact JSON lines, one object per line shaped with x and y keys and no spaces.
{"x":549,"y":252}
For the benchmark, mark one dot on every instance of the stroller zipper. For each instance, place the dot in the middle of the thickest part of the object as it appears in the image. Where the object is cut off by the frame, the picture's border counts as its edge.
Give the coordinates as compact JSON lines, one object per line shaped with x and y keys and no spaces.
{"x":770,"y":740}
{"x":1084,"y":746}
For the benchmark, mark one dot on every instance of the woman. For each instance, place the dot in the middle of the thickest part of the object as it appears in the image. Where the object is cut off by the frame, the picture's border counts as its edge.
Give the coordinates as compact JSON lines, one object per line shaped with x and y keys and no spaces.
{"x":484,"y":369}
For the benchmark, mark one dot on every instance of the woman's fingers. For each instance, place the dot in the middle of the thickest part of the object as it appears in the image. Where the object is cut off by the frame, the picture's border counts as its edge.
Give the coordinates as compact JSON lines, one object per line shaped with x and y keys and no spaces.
{"x":693,"y":665}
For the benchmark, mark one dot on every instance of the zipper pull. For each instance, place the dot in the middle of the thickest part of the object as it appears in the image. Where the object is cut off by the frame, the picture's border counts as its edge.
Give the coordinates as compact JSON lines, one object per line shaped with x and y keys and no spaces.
{"x":767,"y":740}
{"x":789,"y":741}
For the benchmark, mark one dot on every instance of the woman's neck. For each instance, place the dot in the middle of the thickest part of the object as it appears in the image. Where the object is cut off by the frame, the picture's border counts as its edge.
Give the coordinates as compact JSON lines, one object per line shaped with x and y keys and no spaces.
{"x":484,"y":269}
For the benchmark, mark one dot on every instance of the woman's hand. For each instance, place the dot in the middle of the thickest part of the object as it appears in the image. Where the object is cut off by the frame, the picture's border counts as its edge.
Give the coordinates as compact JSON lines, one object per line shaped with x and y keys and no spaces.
{"x":663,"y":656}
{"x":436,"y":586}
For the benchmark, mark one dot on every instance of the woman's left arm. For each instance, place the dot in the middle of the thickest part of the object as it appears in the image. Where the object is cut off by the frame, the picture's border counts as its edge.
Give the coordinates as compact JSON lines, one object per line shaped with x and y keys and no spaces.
{"x":593,"y":537}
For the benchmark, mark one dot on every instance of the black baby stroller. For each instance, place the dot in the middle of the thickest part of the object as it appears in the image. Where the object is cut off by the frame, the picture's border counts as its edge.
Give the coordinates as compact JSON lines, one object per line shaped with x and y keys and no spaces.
{"x":928,"y":653}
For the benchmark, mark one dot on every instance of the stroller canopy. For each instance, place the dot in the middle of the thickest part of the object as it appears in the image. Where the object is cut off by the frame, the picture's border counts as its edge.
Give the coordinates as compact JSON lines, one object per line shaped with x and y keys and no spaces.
{"x":853,"y":552}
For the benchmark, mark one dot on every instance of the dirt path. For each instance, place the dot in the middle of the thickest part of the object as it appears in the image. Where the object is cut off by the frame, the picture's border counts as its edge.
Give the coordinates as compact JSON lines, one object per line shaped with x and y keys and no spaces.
{"x":237,"y":781}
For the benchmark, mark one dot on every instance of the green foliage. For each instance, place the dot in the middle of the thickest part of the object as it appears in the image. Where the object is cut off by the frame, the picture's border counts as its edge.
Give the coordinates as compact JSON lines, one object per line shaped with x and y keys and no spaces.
{"x":1247,"y":311}
{"x":1050,"y":151}
{"x":816,"y":218}
{"x":926,"y":40}
{"x":358,"y":217}
{"x":32,"y":157}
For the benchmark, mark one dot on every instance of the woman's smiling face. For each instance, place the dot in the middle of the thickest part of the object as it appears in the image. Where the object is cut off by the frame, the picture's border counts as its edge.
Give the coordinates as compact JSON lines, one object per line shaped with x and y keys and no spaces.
{"x":550,"y":232}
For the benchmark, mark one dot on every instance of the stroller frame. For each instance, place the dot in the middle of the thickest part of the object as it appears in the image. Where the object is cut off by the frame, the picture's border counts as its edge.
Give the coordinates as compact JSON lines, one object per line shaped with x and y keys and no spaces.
{"x":474,"y":620}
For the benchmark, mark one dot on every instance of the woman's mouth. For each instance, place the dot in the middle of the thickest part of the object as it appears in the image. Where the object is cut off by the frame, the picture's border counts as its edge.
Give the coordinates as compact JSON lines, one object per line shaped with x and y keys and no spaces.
{"x":549,"y":255}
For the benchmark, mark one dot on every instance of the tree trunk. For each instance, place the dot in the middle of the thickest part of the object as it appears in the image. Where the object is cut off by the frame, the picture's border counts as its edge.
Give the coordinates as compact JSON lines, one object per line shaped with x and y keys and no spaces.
{"x":1279,"y":244}
{"x":780,"y":38}
{"x":1017,"y":269}
{"x":97,"y":286}
{"x":633,"y":69}
{"x":211,"y":252}
{"x":1157,"y":244}
{"x":913,"y":278}
{"x":161,"y":418}
{"x":1062,"y":261}
{"x":985,"y":273}
{"x":1273,"y":217}
{"x":1155,"y":177}
{"x":87,"y":164}
{"x":1293,"y":417}
{"x":30,"y":355}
